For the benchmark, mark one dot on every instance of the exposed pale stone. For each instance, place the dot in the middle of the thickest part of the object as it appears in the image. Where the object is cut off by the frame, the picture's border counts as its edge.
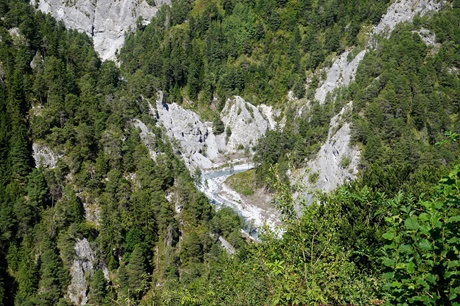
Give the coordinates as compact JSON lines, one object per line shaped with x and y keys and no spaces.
{"x":245,"y":122}
{"x":341,"y":72}
{"x":197,"y":143}
{"x":147,"y":137}
{"x":44,"y":156}
{"x":105,"y":21}
{"x":227,"y":246}
{"x":402,"y":11}
{"x":329,"y":163}
{"x":83,"y":265}
{"x":429,"y":39}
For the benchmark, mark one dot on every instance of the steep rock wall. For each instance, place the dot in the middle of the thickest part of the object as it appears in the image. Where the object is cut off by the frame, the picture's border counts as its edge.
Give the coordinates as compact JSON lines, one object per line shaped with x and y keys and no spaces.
{"x":44,"y":156}
{"x":342,"y":72}
{"x":82,"y":269}
{"x":105,"y":21}
{"x":337,"y":161}
{"x":328,"y":165}
{"x":197,"y":142}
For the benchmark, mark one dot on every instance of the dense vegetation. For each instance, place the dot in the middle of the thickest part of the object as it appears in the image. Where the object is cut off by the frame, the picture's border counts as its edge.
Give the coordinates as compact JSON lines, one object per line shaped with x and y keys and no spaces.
{"x":391,"y":237}
{"x":258,"y":49}
{"x":54,"y":91}
{"x":406,"y":95}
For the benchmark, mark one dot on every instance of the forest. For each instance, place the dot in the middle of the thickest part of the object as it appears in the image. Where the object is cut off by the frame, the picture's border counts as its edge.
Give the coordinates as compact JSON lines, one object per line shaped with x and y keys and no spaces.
{"x":391,"y":237}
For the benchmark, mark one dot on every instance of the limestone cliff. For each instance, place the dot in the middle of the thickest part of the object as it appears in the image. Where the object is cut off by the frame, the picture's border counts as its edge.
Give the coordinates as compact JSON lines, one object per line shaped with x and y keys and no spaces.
{"x":44,"y":156}
{"x":337,"y":161}
{"x":82,"y":269}
{"x":104,"y":20}
{"x":197,"y":142}
{"x":342,"y":72}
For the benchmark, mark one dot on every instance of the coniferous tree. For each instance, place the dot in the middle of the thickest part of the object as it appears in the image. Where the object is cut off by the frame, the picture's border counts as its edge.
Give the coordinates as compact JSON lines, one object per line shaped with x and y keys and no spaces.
{"x":97,"y":289}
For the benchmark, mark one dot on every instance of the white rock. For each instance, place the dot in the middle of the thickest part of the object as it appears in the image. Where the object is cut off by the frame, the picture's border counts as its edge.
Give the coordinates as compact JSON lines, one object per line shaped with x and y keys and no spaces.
{"x":341,"y":73}
{"x":186,"y":128}
{"x":328,"y":162}
{"x":83,"y":265}
{"x":429,"y":39}
{"x":44,"y":156}
{"x":199,"y":146}
{"x":268,"y":113}
{"x":245,"y":121}
{"x":402,"y":11}
{"x":105,"y":21}
{"x":227,"y":246}
{"x":147,"y":137}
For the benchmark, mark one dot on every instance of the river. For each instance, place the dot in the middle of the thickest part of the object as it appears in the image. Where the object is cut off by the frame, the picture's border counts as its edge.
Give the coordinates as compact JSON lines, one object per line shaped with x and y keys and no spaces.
{"x":219,"y":194}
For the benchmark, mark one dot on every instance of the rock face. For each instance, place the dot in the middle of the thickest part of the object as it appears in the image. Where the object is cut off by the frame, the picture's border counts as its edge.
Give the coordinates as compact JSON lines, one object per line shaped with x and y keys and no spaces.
{"x":83,"y":265}
{"x":227,"y":246}
{"x":402,"y":11}
{"x":199,"y":146}
{"x":336,"y":162}
{"x":245,"y":122}
{"x":105,"y":21}
{"x":342,"y":72}
{"x":147,"y":137}
{"x":429,"y":39}
{"x":44,"y":156}
{"x":186,"y":128}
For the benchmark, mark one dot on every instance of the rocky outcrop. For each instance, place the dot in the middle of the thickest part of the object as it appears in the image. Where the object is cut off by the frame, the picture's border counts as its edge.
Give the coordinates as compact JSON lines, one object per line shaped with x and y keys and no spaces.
{"x":244,"y":124}
{"x":403,"y":11}
{"x":185,"y":127}
{"x":342,"y":72}
{"x":197,"y":142}
{"x":227,"y":246}
{"x":92,"y":209}
{"x":44,"y":156}
{"x":429,"y":39}
{"x":105,"y":21}
{"x":337,"y":161}
{"x":83,"y":266}
{"x":147,"y":137}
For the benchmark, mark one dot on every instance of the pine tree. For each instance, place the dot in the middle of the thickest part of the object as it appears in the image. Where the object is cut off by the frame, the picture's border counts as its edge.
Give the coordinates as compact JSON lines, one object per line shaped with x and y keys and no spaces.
{"x":53,"y":277}
{"x":137,"y":276}
{"x":97,"y":289}
{"x":27,"y":276}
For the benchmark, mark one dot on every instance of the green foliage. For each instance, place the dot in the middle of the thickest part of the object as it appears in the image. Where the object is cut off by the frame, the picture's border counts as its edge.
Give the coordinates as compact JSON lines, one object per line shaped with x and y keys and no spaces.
{"x":421,"y":253}
{"x":54,"y":279}
{"x":27,"y":276}
{"x":137,"y":277}
{"x":97,"y":289}
{"x":55,"y":91}
{"x":225,"y":221}
{"x":244,"y":182}
{"x":403,"y":101}
{"x":313,"y":177}
{"x":292,"y":146}
{"x":345,"y":162}
{"x":218,"y":126}
{"x":206,"y":49}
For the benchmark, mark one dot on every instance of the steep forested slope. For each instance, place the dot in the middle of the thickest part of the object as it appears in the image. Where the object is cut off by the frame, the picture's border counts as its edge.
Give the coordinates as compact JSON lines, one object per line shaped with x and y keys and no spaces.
{"x":405,"y":97}
{"x":102,"y":186}
{"x":259,"y":49}
{"x":98,"y":217}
